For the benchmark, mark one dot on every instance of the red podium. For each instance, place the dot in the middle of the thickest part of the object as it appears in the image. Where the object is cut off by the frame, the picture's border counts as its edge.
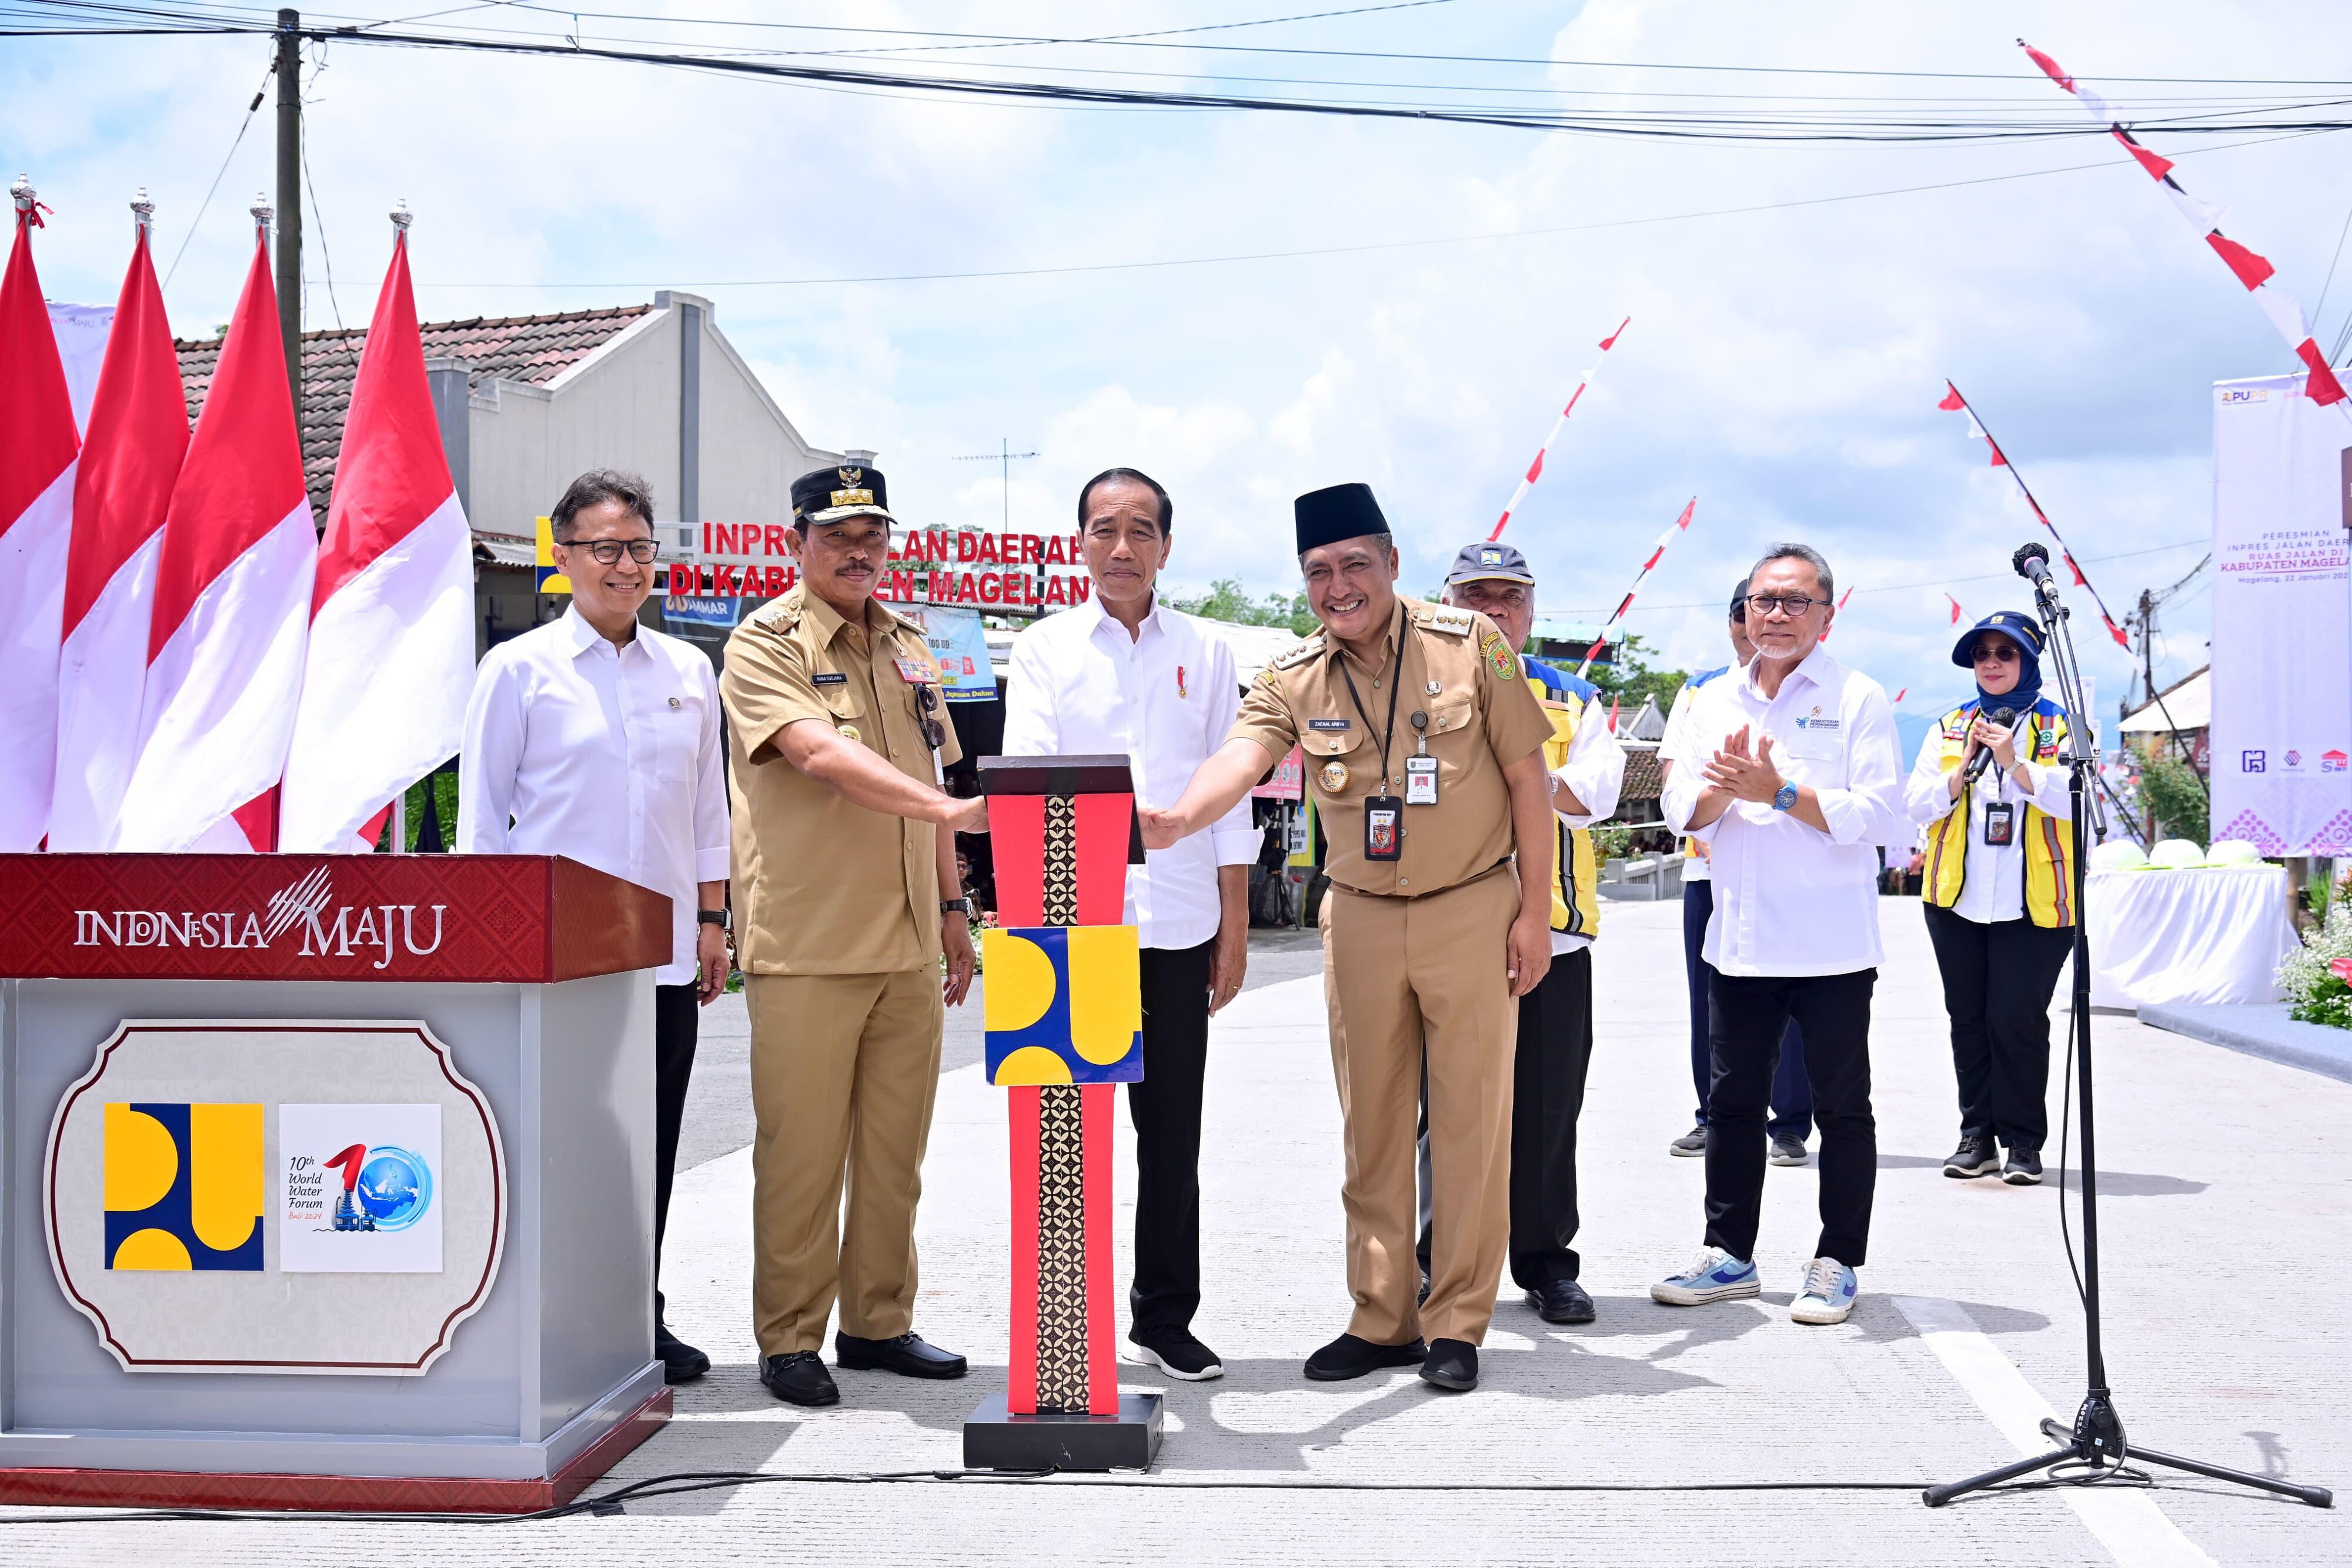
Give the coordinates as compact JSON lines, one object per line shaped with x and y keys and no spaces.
{"x":326,"y":1180}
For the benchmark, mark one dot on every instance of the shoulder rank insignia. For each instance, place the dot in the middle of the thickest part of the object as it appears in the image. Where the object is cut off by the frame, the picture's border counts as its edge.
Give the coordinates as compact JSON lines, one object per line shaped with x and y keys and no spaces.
{"x":1446,"y":618}
{"x":781,"y":616}
{"x":1297,"y":654}
{"x":1497,"y":654}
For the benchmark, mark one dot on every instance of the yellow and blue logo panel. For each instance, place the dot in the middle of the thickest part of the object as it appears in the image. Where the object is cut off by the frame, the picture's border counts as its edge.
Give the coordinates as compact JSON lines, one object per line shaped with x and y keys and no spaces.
{"x":550,"y":581}
{"x":184,"y":1186}
{"x":1063,"y":1004}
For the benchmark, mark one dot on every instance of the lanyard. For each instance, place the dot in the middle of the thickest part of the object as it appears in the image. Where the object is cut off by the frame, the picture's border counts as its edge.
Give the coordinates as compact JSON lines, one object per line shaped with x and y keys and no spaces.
{"x":1395,"y":684}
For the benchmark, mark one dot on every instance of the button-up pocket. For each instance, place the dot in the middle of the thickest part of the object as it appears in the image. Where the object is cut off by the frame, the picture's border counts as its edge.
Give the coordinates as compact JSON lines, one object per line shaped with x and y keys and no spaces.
{"x":677,"y":725}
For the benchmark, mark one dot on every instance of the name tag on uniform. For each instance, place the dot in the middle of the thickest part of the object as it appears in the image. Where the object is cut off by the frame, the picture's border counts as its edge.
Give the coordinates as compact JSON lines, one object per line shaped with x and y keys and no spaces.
{"x":1421,"y":780}
{"x":2000,"y":823}
{"x":829,"y":678}
{"x":916,"y":672}
{"x":1326,"y":724}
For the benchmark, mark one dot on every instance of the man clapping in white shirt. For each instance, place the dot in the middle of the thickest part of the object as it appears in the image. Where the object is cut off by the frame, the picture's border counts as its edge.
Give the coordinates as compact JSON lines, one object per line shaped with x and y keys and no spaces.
{"x":598,"y":739}
{"x":1125,"y":674}
{"x":1789,"y":771}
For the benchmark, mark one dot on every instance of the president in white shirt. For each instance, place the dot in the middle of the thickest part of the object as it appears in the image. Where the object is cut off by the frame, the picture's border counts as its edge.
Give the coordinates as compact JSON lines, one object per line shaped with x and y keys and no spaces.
{"x":1122,"y":672}
{"x":1791,"y":775}
{"x":596,"y":737}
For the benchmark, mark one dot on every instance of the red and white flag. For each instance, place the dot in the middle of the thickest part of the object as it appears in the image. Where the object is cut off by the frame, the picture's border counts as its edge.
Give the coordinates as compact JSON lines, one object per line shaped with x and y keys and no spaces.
{"x":2251,"y":271}
{"x":1535,"y":469}
{"x":38,"y":446}
{"x":232,"y":606}
{"x":390,"y":658}
{"x":137,"y":435}
{"x":1956,"y":608}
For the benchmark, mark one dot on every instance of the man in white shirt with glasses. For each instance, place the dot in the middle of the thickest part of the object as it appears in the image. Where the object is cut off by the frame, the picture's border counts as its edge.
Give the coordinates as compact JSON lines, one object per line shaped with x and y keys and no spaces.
{"x":1789,"y":772}
{"x":1124,"y":673}
{"x":596,"y":737}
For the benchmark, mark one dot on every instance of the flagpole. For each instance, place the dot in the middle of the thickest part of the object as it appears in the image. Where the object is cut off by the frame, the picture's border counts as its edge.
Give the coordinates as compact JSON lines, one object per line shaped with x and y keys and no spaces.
{"x":1535,"y":469}
{"x":1617,"y":616}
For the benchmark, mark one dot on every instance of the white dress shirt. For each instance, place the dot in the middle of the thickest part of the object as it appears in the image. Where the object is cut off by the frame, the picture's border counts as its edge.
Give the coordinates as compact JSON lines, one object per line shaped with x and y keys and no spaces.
{"x":1992,"y":877}
{"x":1672,"y":745}
{"x":1789,"y":899}
{"x":1166,"y":697}
{"x":608,"y":754}
{"x":1593,"y":773}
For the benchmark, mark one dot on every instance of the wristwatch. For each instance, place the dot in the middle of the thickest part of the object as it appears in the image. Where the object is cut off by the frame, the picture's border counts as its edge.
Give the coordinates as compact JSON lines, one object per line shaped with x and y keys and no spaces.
{"x":714,"y":917}
{"x":959,"y":906}
{"x":1784,"y":799}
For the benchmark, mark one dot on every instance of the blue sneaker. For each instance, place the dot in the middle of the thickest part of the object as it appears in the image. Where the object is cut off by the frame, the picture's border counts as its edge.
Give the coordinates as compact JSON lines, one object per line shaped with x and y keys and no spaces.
{"x":1827,"y":1295}
{"x":1717,"y":1276}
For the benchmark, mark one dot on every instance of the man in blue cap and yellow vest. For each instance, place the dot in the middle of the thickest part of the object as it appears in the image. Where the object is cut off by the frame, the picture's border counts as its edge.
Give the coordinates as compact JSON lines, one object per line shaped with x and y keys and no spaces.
{"x":1555,"y":1030}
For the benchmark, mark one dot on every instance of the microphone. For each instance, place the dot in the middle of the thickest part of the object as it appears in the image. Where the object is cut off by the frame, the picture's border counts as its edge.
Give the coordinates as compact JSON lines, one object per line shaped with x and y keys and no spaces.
{"x":2003,"y":716}
{"x":2032,"y":563}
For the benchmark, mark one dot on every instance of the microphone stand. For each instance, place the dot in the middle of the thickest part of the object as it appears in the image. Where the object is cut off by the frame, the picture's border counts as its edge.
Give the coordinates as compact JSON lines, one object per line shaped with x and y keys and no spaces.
{"x":2093,"y":1448}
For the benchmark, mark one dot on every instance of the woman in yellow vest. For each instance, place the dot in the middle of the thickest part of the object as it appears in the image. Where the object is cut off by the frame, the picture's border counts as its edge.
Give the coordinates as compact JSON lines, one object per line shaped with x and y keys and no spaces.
{"x":1998,"y":891}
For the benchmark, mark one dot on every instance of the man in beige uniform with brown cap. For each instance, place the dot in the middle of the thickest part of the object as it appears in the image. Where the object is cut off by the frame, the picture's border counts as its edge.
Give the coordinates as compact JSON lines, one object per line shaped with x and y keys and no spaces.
{"x":1424,"y":749}
{"x":849,"y":894}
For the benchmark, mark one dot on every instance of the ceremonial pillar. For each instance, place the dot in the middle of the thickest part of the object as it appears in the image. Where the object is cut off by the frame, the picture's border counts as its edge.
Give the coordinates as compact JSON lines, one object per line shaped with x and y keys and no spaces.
{"x":1063,"y":1006}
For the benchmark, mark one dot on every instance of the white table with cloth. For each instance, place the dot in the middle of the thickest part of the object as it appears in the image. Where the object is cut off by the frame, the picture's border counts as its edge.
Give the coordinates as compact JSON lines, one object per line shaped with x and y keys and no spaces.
{"x":2208,"y":935}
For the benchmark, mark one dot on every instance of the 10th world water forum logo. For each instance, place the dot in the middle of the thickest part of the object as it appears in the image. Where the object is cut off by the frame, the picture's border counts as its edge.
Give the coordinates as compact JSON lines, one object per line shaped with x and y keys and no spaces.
{"x":384,"y":1189}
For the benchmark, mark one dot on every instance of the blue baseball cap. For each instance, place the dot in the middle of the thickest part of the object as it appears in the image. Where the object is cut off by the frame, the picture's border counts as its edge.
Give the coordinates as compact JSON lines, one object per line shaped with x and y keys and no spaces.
{"x":2014,"y":625}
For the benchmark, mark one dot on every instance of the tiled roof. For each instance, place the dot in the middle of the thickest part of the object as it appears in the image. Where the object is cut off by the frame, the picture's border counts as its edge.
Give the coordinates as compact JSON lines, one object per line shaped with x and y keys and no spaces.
{"x":1645,"y":780}
{"x":530,"y":349}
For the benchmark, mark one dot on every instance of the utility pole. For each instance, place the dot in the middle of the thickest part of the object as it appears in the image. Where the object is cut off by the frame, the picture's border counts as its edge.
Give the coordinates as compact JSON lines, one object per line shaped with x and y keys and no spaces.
{"x":1005,"y":457}
{"x":290,"y":199}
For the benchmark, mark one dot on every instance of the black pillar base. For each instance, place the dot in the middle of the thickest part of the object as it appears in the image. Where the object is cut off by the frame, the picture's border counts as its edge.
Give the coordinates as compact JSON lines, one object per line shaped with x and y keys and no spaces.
{"x":995,"y":1439}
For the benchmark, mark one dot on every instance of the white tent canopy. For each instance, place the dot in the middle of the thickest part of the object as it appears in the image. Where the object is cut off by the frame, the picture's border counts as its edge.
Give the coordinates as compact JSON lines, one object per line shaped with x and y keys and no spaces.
{"x":2184,"y":706}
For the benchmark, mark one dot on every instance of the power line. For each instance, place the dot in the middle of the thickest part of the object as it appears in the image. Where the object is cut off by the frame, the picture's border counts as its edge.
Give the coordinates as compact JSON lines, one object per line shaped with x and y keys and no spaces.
{"x":235,"y":142}
{"x":1354,"y":249}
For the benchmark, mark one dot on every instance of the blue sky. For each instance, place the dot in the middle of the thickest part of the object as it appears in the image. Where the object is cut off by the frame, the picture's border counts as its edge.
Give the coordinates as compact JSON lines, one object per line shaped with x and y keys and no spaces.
{"x":1782,"y":366}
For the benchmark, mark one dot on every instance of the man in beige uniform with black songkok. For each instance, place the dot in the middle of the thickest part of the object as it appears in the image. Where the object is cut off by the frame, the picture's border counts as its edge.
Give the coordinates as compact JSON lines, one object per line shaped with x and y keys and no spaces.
{"x":1424,"y":749}
{"x":849,"y":890}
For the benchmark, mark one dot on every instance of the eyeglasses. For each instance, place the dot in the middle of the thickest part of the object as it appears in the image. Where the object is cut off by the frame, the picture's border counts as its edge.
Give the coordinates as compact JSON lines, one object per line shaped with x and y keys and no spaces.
{"x":608,"y":551}
{"x":1790,"y":604}
{"x":1997,"y":653}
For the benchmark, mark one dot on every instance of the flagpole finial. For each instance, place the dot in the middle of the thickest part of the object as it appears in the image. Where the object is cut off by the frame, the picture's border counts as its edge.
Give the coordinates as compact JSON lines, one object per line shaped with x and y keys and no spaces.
{"x":143,"y":211}
{"x":264,"y":214}
{"x":401,"y":216}
{"x":21,"y":189}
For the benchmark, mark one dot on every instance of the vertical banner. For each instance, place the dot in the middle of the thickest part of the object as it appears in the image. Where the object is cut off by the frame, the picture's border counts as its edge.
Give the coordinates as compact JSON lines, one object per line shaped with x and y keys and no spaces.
{"x":2282,"y":735}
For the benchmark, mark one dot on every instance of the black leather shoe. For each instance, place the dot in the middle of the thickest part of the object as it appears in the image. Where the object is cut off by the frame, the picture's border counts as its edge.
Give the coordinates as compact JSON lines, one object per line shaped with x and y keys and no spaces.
{"x":800,"y":1379}
{"x":1453,"y":1365}
{"x":907,"y":1354}
{"x":1561,"y":1302}
{"x":1349,"y":1357}
{"x":681,"y":1362}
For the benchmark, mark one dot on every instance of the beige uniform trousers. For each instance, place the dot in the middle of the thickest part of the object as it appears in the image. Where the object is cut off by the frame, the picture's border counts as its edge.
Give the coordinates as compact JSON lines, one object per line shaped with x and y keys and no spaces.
{"x":1398,"y":972}
{"x":844,"y":1069}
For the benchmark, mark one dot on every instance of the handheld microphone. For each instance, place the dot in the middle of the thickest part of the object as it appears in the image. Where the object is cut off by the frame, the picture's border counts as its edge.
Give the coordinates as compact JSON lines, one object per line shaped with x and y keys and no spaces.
{"x":2032,"y":563}
{"x":2003,"y":716}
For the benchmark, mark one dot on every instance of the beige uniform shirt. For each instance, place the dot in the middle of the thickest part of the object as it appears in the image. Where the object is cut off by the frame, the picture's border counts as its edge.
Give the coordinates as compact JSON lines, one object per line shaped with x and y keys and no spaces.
{"x":1461,"y":676}
{"x":823,"y":886}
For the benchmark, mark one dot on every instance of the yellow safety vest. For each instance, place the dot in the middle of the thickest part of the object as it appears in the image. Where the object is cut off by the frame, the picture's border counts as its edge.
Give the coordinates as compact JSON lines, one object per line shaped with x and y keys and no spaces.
{"x":2049,"y":877}
{"x":1575,"y":898}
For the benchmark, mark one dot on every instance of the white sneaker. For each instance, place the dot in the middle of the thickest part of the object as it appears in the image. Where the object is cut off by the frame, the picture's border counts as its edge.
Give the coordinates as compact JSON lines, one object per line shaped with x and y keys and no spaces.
{"x":1716,"y":1276}
{"x":1828,"y":1293}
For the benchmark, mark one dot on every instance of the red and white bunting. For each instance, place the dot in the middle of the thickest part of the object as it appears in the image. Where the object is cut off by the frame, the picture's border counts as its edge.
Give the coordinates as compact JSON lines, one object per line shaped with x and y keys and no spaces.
{"x":2250,"y":269}
{"x":1956,"y":608}
{"x":1841,"y":605}
{"x":1954,"y":402}
{"x":232,"y":606}
{"x":1899,"y":697}
{"x":391,"y":654}
{"x":37,"y":484}
{"x":1682,"y":524}
{"x":130,"y":461}
{"x":1535,"y":469}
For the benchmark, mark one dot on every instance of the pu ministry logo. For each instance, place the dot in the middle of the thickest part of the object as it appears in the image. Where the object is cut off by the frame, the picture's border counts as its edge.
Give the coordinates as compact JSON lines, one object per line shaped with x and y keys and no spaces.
{"x":184,"y":1186}
{"x":302,"y":909}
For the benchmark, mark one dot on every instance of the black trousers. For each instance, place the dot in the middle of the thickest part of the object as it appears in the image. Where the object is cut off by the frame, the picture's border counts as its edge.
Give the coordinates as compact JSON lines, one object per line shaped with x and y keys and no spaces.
{"x":1750,"y":1015}
{"x":1792,"y":1097}
{"x":1555,"y":1050}
{"x":677,"y":1019}
{"x":1998,"y":979}
{"x":1165,"y":1106}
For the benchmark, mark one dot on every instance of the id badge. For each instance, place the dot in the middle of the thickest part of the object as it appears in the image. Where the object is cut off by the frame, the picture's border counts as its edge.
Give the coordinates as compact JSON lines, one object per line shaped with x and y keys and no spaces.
{"x":1421,"y":780}
{"x":2000,"y":823}
{"x":1383,"y":828}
